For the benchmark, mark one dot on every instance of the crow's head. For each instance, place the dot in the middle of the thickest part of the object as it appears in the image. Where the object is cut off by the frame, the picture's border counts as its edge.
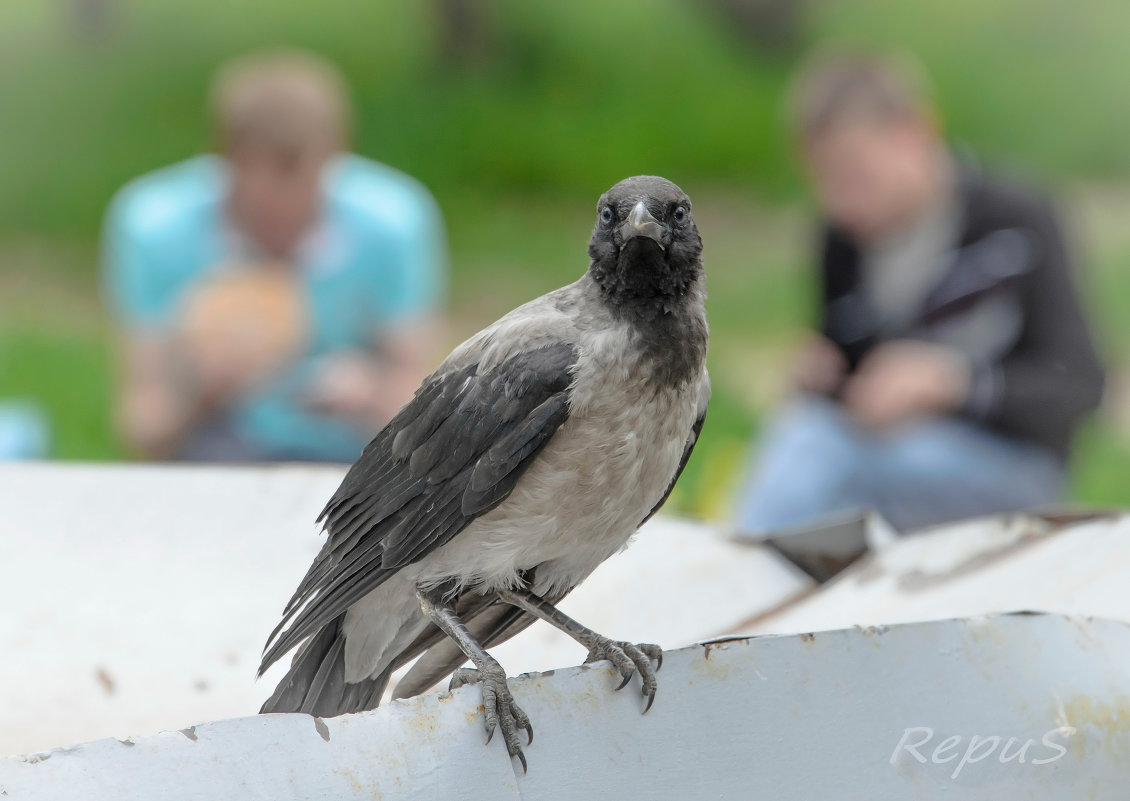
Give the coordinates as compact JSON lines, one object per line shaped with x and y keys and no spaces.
{"x":645,"y":249}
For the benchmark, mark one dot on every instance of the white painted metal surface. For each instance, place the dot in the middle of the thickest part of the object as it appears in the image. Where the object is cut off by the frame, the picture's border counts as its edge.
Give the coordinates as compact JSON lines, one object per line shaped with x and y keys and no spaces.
{"x":137,"y":598}
{"x":919,"y":711}
{"x":980,"y":567}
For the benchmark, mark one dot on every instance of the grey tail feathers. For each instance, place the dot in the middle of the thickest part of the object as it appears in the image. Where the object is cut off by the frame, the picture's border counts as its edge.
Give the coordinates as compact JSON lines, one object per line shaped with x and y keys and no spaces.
{"x":316,"y":682}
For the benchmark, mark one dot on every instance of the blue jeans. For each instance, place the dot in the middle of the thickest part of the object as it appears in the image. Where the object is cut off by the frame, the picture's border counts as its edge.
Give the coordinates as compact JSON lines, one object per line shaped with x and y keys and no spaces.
{"x":816,"y":461}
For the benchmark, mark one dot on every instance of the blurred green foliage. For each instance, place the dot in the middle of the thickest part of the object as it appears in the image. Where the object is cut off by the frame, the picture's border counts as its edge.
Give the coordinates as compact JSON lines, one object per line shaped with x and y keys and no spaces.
{"x":569,"y":97}
{"x":518,"y":138}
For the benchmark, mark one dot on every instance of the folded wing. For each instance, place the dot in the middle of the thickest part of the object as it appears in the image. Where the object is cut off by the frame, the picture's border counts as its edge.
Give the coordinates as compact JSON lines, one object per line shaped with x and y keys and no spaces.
{"x":452,"y":454}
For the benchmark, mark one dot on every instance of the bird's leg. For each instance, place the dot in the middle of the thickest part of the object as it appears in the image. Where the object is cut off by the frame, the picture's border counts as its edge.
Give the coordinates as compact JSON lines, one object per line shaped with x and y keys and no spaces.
{"x":499,"y":707}
{"x":626,"y":657}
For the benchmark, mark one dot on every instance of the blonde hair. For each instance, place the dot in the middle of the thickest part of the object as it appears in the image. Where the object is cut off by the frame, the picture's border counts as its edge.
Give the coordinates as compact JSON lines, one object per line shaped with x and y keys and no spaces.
{"x":833,"y":89}
{"x":281,"y":99}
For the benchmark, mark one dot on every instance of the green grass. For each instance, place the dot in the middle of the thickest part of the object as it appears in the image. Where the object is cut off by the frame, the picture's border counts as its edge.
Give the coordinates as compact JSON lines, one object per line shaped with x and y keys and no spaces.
{"x":572,"y":96}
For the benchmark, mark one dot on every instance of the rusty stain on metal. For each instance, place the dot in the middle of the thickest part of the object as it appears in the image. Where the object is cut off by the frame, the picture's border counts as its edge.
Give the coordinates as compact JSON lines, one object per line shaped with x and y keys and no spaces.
{"x":1110,"y":717}
{"x":707,"y":646}
{"x":740,"y":639}
{"x":351,"y":777}
{"x":105,"y":680}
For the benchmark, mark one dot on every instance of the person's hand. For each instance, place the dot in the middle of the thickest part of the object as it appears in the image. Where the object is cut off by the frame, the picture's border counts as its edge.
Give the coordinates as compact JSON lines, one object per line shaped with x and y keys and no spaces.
{"x":215,"y":376}
{"x":368,"y":387}
{"x":906,"y":379}
{"x":346,"y":385}
{"x":819,"y":367}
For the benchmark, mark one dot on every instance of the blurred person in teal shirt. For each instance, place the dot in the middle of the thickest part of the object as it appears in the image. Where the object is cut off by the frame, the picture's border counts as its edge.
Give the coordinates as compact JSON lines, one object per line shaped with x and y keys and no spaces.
{"x":278,"y":301}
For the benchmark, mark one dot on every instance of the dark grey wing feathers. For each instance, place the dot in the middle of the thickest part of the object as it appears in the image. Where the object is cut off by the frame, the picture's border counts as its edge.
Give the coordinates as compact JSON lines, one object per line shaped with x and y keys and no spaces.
{"x":511,"y":455}
{"x":418,"y":483}
{"x":415,"y":423}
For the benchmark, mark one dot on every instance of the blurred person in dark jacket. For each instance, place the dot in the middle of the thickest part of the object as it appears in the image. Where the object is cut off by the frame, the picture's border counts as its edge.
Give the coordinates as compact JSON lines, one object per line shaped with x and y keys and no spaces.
{"x":952,"y":362}
{"x":277,"y":300}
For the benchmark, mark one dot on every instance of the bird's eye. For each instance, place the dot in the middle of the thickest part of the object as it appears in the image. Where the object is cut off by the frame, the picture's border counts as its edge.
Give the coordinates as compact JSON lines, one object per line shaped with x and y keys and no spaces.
{"x":606,"y":215}
{"x":680,"y":214}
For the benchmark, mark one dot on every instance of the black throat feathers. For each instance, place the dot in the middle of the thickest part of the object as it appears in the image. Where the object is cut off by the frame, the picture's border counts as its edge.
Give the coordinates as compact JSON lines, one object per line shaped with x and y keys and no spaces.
{"x":662,"y":303}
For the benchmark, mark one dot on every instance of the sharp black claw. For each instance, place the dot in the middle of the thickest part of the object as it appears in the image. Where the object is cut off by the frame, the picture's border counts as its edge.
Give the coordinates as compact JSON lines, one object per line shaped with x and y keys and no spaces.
{"x":624,"y":683}
{"x":530,"y":733}
{"x":490,"y":736}
{"x":659,"y":662}
{"x":650,"y":701}
{"x":522,"y":759}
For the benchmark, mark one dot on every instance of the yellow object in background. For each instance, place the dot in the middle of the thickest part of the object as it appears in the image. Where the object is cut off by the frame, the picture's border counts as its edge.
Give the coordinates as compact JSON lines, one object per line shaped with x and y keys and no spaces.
{"x":245,"y":324}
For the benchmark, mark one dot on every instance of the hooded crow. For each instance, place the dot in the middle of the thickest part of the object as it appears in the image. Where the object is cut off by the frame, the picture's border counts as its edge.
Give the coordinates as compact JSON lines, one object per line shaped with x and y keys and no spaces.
{"x":531,"y":455}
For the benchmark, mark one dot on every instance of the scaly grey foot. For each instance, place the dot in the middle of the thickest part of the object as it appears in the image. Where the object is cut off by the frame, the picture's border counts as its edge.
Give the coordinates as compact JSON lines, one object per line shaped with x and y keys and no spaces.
{"x":499,"y":709}
{"x":628,"y":658}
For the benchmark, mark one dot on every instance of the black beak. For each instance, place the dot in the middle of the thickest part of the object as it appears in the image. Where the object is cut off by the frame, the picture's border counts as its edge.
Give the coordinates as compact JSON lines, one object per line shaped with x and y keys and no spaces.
{"x":641,"y":223}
